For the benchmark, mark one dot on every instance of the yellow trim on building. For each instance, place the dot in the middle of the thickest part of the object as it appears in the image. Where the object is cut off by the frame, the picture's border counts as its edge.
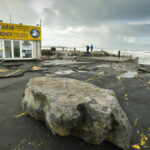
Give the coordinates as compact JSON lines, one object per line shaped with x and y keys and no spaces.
{"x":20,"y":32}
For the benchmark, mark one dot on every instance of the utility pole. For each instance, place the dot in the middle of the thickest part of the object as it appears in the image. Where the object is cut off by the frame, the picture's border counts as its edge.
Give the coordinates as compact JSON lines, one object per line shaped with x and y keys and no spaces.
{"x":41,"y":37}
{"x":40,"y":22}
{"x":10,"y":18}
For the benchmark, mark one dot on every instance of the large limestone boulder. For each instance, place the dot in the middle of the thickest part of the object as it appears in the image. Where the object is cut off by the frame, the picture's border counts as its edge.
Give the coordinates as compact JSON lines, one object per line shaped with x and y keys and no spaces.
{"x":72,"y":107}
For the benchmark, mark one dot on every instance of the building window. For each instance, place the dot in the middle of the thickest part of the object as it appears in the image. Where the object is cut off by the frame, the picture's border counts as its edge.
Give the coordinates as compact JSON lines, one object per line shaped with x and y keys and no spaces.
{"x":16,"y":45}
{"x":1,"y":49}
{"x":8,"y":53}
{"x":26,"y":49}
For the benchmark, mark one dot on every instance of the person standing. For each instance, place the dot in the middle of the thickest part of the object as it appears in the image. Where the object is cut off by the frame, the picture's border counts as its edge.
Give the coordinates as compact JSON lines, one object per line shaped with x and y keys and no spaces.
{"x":87,"y":48}
{"x":91,"y":47}
{"x":119,"y":54}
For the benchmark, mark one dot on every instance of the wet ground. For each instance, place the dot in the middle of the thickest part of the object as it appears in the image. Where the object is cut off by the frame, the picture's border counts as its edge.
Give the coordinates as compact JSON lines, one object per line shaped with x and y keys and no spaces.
{"x":20,"y":132}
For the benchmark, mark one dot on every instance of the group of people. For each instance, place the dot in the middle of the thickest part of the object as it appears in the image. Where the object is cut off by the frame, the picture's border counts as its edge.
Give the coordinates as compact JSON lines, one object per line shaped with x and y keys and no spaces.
{"x":89,"y":47}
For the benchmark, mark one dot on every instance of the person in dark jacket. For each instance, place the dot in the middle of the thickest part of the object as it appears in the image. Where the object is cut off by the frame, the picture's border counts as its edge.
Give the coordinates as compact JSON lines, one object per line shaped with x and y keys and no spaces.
{"x":119,"y":54}
{"x":87,"y":48}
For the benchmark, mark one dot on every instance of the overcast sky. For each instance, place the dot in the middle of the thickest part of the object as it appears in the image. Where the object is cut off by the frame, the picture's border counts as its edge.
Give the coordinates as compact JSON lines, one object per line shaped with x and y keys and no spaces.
{"x":115,"y":24}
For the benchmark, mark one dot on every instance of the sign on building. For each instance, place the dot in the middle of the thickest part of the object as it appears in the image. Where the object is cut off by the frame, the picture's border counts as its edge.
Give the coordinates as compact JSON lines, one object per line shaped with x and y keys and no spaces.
{"x":20,"y":32}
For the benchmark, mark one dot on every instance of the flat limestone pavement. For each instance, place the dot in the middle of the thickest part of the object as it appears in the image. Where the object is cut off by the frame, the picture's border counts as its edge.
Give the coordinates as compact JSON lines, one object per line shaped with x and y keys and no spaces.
{"x":72,"y":107}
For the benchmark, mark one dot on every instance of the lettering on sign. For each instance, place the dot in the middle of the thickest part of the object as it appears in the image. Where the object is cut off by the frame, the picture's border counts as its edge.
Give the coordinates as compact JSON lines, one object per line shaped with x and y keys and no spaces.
{"x":7,"y":27}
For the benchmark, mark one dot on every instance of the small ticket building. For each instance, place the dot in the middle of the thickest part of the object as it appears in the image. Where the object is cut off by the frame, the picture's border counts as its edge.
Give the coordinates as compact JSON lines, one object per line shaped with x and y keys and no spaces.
{"x":19,"y":42}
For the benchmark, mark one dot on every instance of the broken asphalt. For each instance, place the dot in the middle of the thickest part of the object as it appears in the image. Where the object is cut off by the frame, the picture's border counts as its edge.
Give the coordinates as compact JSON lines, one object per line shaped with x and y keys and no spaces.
{"x":20,"y":132}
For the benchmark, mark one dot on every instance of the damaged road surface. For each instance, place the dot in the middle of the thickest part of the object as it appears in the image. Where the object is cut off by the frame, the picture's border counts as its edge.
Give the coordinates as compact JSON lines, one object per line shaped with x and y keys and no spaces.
{"x":15,"y":69}
{"x":20,"y":132}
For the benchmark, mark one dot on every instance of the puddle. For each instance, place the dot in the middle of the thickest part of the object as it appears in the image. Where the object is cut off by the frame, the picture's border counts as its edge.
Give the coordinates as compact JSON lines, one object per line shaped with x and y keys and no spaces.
{"x":113,"y":66}
{"x":104,"y":65}
{"x":61,"y":62}
{"x":129,"y":74}
{"x":85,"y":72}
{"x":65,"y":72}
{"x":145,"y":75}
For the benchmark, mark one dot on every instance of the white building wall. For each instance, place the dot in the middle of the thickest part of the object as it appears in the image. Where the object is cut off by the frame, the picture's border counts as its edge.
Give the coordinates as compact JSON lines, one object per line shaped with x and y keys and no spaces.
{"x":36,"y":50}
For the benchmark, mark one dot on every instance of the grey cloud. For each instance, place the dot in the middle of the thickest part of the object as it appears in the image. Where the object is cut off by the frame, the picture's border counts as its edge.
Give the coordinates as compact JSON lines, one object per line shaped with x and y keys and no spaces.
{"x":21,"y":11}
{"x":91,"y":12}
{"x":130,"y":30}
{"x":116,"y":14}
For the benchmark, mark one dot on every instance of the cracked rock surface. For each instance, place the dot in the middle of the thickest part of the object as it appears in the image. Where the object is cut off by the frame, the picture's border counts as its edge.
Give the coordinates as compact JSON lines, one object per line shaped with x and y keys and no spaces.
{"x":72,"y":107}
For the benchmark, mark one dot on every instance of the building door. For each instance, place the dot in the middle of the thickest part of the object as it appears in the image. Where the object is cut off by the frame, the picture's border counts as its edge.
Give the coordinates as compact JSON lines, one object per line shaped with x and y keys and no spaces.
{"x":1,"y":49}
{"x":16,"y":48}
{"x":8,"y":53}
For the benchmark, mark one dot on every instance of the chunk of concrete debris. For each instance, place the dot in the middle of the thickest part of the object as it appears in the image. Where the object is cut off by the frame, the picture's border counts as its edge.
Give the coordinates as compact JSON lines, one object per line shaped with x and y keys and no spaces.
{"x":72,"y":107}
{"x":144,"y":68}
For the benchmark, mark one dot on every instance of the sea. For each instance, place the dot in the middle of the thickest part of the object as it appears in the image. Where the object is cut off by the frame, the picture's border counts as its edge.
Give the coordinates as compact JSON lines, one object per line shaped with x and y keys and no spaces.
{"x":143,"y":56}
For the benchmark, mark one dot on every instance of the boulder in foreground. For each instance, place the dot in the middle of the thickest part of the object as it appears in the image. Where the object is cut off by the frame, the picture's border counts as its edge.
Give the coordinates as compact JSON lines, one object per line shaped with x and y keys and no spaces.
{"x":72,"y":107}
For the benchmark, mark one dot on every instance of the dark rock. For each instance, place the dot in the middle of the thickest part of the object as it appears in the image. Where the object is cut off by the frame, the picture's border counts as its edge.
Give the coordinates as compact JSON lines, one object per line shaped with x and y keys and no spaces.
{"x":72,"y":107}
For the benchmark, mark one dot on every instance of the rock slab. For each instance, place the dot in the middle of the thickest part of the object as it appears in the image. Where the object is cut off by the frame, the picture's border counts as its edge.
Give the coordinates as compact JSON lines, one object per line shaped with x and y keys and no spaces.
{"x":72,"y":107}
